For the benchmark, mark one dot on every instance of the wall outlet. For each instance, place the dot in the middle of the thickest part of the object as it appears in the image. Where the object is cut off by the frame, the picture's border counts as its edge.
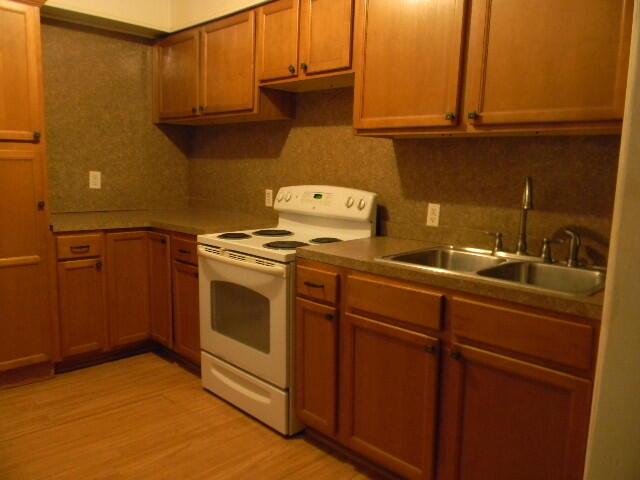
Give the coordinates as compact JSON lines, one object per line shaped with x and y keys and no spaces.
{"x":433,"y":215}
{"x":95,"y":180}
{"x":268,"y":198}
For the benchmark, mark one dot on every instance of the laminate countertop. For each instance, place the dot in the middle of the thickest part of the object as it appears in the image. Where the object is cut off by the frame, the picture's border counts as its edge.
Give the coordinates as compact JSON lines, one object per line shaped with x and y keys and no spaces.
{"x":194,"y":221}
{"x":360,"y":255}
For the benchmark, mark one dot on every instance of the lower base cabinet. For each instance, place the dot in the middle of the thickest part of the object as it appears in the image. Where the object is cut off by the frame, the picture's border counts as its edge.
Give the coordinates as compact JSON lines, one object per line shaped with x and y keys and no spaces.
{"x":479,"y":390}
{"x":510,"y":419}
{"x":186,"y":314}
{"x":82,"y":307}
{"x":388,"y":397}
{"x":160,"y":295}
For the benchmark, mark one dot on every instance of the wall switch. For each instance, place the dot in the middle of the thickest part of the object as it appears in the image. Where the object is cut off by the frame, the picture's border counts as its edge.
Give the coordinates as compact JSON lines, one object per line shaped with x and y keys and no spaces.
{"x":433,"y":215}
{"x":95,"y":180}
{"x":268,"y":198}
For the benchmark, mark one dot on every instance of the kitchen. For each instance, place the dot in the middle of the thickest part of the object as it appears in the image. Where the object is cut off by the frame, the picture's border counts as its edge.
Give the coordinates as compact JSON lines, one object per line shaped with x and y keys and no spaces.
{"x":102,"y":287}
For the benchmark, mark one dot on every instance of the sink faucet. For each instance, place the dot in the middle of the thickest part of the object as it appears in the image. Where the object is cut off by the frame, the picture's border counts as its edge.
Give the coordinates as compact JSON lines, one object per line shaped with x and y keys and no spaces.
{"x":574,"y":247}
{"x":527,"y":204}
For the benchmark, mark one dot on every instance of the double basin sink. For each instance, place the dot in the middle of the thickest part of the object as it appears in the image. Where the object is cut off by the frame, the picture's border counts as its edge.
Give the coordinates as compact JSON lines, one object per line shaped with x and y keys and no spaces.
{"x":504,"y":268}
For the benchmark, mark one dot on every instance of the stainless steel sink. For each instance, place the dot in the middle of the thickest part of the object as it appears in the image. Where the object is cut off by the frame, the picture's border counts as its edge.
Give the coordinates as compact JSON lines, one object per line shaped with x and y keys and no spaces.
{"x":449,"y":259}
{"x":557,"y":278}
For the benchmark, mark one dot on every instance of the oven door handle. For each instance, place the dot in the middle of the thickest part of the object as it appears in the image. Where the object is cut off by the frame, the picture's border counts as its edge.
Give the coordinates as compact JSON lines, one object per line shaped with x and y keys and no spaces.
{"x":272,"y":270}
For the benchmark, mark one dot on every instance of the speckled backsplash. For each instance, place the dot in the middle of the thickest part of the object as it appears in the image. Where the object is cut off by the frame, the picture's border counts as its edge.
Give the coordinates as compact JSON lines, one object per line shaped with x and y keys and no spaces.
{"x":98,"y":117}
{"x":477,"y":181}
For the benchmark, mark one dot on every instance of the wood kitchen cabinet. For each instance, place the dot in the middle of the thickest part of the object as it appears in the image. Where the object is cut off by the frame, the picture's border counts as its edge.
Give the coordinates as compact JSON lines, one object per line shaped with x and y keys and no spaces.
{"x":305,"y":44}
{"x":186,"y":316}
{"x":160,"y":292}
{"x":208,"y":75}
{"x":389,"y":395}
{"x":20,"y":75}
{"x":539,"y":61}
{"x":316,"y":360}
{"x":128,"y":287}
{"x":408,"y":63}
{"x":177,"y":75}
{"x":82,"y":307}
{"x":509,"y":419}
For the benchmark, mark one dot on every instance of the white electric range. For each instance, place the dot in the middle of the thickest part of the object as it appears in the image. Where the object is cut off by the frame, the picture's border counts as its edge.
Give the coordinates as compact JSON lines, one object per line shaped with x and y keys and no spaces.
{"x":247,"y":292}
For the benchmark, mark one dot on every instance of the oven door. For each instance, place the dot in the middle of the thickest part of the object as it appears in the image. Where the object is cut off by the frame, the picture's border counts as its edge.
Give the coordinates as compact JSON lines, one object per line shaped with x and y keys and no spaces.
{"x":244,"y":312}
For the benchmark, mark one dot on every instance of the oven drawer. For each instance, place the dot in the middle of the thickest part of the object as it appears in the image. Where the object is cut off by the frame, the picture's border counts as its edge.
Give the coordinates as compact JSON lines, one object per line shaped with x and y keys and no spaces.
{"x":79,"y":246}
{"x":261,"y":400}
{"x":317,"y":284}
{"x":184,"y":250}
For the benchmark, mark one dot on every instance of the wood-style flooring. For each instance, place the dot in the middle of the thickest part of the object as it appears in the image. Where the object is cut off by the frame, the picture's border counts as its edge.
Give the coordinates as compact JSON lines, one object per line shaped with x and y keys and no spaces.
{"x":144,"y":418}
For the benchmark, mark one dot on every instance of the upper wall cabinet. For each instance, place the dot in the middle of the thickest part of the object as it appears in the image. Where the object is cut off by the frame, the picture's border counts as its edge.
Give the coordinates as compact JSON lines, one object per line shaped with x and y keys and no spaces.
{"x":537,"y":61}
{"x":533,"y":66}
{"x":20,"y":113}
{"x":207,"y":75}
{"x":177,"y":74}
{"x":228,"y":82}
{"x":408,"y":65}
{"x":301,"y":40}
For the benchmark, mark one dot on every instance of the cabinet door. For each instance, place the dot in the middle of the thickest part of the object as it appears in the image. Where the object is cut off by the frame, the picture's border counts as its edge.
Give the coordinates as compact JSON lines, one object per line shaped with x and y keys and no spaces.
{"x":278,"y":40}
{"x":408,"y":63}
{"x":83,"y":314}
{"x":176,"y":75}
{"x":228,"y":60}
{"x":548,"y":61}
{"x":20,"y":90}
{"x":128,"y":287}
{"x":316,"y":368}
{"x":325,"y":35}
{"x":186,"y":311}
{"x":25,"y":319}
{"x":507,"y":419}
{"x":160,"y":289}
{"x":389,"y":395}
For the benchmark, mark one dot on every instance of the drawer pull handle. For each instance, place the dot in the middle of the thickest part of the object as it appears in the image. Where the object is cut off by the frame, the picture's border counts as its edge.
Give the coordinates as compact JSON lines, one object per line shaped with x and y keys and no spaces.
{"x":79,"y":248}
{"x":313,"y":285}
{"x":184,"y":251}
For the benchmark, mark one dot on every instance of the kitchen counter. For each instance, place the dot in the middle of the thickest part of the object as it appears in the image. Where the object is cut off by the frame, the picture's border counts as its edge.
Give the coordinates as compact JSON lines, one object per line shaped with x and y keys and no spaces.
{"x":193,"y":221}
{"x":360,"y":254}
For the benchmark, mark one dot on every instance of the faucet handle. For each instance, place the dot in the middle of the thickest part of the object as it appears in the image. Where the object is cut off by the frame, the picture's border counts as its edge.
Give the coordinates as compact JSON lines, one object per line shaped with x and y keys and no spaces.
{"x":498,"y":245}
{"x":546,"y":249}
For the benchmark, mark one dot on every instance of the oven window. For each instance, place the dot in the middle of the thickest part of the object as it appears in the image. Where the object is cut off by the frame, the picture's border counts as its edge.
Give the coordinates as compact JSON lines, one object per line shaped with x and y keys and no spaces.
{"x":240,"y":313}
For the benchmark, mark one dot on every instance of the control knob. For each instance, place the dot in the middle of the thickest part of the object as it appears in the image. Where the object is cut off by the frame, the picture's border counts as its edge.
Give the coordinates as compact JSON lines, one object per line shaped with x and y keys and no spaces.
{"x":287,"y":197}
{"x":350,"y":201}
{"x":361,"y":204}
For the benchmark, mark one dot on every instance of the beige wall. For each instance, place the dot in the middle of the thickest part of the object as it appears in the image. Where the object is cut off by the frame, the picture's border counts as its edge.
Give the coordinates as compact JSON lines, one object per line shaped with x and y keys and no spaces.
{"x":478,"y":181}
{"x":98,"y":117}
{"x":185,"y":13}
{"x":614,"y":445}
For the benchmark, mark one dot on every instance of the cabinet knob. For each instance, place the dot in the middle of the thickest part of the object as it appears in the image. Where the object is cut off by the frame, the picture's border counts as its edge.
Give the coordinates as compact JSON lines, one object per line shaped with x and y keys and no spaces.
{"x":450,"y":116}
{"x":99,"y":265}
{"x":163,"y":241}
{"x":36,"y":137}
{"x":201,"y":108}
{"x":431,"y":349}
{"x":304,"y":66}
{"x":328,"y":316}
{"x":473,"y":115}
{"x":41,"y":205}
{"x":194,"y":110}
{"x":292,"y":69}
{"x":456,"y":356}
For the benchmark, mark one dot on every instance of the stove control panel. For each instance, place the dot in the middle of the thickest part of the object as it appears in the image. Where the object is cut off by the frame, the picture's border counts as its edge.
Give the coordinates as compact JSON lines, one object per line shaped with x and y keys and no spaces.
{"x":327,"y":201}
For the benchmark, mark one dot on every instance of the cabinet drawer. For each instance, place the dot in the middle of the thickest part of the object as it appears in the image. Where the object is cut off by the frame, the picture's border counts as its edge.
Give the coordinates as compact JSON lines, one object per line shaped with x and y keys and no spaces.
{"x":184,"y":250}
{"x":530,"y":333}
{"x":317,"y":284}
{"x":80,"y":246}
{"x":407,"y":303}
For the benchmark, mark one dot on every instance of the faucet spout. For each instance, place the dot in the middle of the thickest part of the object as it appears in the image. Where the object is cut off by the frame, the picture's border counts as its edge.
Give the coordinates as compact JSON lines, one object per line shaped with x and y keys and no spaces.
{"x":527,"y":204}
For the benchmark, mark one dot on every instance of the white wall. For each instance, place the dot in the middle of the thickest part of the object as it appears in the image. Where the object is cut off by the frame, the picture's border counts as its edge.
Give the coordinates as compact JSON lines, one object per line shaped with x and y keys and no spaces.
{"x":153,"y":14}
{"x":614,"y":443}
{"x":185,"y":13}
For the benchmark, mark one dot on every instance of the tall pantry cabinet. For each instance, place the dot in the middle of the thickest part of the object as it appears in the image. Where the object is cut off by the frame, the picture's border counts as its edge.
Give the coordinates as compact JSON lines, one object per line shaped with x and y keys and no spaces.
{"x":26,"y":313}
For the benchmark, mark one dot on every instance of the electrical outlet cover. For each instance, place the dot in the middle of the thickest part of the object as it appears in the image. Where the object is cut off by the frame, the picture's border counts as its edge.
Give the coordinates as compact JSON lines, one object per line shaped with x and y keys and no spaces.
{"x":433,"y":215}
{"x":95,"y":180}
{"x":268,"y":198}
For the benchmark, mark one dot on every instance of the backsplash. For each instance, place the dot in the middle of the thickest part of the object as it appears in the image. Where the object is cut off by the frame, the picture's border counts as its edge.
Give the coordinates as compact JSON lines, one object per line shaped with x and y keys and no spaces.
{"x":98,"y":117}
{"x":477,"y":181}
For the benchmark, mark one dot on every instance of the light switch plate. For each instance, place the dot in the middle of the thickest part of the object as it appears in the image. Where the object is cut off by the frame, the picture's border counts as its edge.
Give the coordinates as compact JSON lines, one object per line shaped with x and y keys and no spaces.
{"x":95,"y":180}
{"x":433,"y":215}
{"x":268,"y":198}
